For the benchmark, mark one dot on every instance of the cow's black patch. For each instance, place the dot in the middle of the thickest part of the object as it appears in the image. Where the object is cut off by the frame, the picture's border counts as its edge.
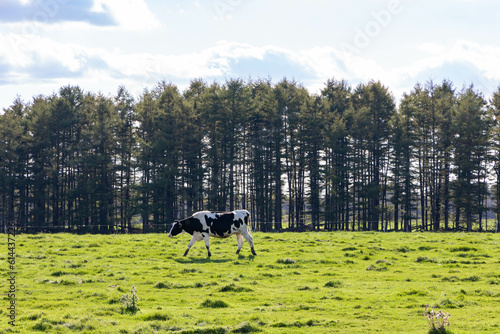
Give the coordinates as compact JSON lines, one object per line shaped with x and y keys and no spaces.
{"x":191,"y":225}
{"x":220,"y":226}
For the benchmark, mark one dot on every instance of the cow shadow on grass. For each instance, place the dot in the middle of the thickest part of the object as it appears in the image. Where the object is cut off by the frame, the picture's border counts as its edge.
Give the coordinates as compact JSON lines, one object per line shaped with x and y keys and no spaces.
{"x":211,"y":260}
{"x":201,"y":260}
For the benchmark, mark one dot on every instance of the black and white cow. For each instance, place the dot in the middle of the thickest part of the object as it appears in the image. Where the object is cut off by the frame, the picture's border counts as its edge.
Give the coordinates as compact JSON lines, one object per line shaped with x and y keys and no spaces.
{"x":201,"y":225}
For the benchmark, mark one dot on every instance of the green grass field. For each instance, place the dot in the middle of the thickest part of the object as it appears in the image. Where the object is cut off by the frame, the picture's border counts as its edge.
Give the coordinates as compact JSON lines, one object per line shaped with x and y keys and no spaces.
{"x":319,"y":282}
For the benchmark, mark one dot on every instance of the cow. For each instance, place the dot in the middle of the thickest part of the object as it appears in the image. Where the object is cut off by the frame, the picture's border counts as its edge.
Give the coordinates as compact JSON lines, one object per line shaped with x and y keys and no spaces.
{"x":201,"y":225}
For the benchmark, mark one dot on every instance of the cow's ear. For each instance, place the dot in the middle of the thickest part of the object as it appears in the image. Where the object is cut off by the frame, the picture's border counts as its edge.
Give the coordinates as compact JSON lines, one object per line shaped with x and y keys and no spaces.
{"x":178,"y":222}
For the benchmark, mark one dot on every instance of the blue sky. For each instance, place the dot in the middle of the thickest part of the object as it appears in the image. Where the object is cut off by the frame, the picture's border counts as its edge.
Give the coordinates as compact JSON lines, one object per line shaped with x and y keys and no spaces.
{"x":102,"y":44}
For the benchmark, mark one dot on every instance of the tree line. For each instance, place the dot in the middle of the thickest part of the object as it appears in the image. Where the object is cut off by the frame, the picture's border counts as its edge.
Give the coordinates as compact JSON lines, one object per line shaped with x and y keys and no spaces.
{"x":347,"y":158}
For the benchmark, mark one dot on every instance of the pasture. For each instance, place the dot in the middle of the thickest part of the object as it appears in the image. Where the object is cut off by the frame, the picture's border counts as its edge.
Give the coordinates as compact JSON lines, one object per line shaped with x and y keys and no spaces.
{"x":317,"y":282}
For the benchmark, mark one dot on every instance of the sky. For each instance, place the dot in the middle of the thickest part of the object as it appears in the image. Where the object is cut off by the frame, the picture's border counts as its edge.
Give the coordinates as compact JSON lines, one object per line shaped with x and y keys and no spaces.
{"x":100,"y":45}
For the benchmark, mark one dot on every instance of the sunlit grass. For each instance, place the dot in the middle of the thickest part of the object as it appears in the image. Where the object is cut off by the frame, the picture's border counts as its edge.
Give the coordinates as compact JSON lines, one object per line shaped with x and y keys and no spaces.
{"x":339,"y":282}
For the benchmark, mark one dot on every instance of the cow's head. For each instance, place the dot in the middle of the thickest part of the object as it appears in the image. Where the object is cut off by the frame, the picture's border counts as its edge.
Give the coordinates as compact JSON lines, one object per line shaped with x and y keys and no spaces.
{"x":176,"y":229}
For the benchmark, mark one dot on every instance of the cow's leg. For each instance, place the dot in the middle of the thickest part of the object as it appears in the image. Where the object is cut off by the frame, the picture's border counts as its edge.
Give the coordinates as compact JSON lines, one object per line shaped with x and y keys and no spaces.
{"x":191,"y":243}
{"x":240,"y":240}
{"x":207,"y":243}
{"x":249,"y":238}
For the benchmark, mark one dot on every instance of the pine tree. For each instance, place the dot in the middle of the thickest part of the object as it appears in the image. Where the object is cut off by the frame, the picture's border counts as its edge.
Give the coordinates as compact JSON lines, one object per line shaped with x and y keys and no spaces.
{"x":14,"y":157}
{"x":471,"y":125}
{"x":193,"y":170}
{"x":124,"y":160}
{"x":264,"y":184}
{"x":377,"y":106}
{"x":337,"y":154}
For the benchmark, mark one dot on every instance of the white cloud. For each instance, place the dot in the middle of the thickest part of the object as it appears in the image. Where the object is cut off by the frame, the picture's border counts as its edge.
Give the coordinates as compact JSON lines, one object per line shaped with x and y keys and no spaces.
{"x":330,"y":62}
{"x":26,"y":53}
{"x":130,"y":14}
{"x":486,"y":58}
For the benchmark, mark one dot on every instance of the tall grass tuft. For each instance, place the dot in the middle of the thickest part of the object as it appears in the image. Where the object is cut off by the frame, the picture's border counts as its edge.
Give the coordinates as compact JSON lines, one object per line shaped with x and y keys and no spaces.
{"x":233,"y":288}
{"x":208,"y":303}
{"x":333,"y":284}
{"x":246,"y":328}
{"x":286,"y":261}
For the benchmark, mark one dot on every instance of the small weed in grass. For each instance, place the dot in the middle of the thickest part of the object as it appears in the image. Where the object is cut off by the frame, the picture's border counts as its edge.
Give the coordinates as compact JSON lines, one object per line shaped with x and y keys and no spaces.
{"x":129,"y":301}
{"x":438,"y":321}
{"x":208,"y":303}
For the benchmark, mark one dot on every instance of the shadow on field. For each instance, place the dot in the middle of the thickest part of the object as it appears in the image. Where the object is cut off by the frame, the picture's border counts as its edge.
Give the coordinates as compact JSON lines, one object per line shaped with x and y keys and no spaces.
{"x":206,"y":260}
